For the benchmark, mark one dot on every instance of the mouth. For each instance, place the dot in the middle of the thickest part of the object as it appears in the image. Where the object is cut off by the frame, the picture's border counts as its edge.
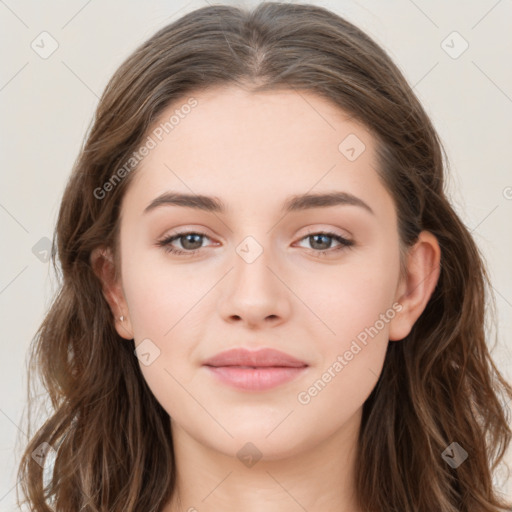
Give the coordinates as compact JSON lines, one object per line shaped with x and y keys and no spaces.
{"x":251,"y":378}
{"x":254,"y":370}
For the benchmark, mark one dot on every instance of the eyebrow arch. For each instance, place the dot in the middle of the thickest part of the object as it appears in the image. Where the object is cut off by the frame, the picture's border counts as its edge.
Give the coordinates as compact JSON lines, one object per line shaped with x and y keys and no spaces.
{"x":294,"y":203}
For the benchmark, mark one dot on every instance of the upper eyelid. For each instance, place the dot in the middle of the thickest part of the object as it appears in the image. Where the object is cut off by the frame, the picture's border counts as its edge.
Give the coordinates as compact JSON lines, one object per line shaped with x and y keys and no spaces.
{"x":310,"y":230}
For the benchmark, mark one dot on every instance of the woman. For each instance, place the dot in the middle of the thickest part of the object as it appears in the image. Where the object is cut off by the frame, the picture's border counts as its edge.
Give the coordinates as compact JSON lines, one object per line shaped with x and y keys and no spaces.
{"x":267,"y":300}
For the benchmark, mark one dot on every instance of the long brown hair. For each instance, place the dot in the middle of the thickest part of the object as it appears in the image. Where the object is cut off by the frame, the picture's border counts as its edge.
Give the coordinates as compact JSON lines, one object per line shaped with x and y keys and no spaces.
{"x":438,"y":386}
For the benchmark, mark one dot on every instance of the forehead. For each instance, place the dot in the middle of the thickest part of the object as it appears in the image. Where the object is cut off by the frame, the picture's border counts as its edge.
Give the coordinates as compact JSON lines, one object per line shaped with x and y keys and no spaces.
{"x":252,"y":147}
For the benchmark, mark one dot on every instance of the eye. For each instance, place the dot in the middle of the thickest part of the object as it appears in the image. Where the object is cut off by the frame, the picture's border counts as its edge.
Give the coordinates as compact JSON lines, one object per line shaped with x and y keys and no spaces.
{"x":191,"y":242}
{"x":321,"y":240}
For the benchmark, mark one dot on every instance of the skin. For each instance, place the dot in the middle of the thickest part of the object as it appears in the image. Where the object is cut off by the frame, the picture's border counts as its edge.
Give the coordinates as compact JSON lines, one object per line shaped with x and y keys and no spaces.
{"x":253,"y":151}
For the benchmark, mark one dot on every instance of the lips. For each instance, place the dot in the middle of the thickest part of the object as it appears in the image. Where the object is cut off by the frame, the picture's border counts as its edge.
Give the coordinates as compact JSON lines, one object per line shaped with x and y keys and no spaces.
{"x":262,"y":358}
{"x":254,"y":370}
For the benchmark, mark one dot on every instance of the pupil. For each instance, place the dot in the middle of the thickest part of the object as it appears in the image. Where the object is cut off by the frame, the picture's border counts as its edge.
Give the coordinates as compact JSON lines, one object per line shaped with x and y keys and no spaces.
{"x":320,"y":236}
{"x":187,"y":237}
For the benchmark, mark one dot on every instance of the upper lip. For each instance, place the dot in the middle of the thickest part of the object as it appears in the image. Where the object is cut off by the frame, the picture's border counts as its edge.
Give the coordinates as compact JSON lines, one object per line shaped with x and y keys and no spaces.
{"x":259,"y":358}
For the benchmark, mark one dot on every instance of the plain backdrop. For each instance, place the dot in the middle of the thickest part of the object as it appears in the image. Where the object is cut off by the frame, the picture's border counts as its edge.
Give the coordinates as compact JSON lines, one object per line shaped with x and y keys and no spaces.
{"x":455,"y":54}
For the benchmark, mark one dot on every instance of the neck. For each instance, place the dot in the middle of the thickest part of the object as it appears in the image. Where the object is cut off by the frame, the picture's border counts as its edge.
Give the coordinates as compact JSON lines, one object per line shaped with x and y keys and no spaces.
{"x":318,"y":479}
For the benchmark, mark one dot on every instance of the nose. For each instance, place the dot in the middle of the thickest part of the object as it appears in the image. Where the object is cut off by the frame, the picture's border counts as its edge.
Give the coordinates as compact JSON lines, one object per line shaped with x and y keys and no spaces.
{"x":254,"y":292}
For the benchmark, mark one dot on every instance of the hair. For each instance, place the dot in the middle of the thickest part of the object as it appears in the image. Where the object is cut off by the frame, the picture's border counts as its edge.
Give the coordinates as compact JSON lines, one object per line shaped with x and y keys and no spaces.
{"x":114,"y":449}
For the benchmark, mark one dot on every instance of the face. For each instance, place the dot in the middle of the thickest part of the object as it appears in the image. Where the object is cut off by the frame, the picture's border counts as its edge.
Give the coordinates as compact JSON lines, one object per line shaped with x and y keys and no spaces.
{"x":318,"y":281}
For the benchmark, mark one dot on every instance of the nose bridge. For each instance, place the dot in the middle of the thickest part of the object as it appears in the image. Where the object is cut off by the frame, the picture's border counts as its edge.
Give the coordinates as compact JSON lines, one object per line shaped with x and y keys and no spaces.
{"x":252,"y":262}
{"x":254,"y":249}
{"x":253,"y":292}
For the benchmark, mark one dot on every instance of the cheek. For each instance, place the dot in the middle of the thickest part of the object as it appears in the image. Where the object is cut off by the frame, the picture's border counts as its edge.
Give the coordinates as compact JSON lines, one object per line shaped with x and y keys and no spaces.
{"x":352,"y":356}
{"x":355,"y":309}
{"x":159,"y":296}
{"x":151,"y":304}
{"x":352,"y":297}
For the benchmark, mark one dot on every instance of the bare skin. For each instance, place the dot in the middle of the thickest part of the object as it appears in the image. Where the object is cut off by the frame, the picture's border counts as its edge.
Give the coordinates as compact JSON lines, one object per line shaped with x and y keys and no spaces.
{"x":253,"y":151}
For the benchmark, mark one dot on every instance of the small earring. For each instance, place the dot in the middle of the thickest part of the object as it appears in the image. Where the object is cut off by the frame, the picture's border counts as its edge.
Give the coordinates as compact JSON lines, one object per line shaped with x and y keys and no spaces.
{"x":121,"y":318}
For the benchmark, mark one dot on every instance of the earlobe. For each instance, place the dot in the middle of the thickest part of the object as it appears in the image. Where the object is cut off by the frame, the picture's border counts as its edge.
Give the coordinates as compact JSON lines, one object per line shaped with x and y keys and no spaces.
{"x":416,"y":288}
{"x":102,"y":263}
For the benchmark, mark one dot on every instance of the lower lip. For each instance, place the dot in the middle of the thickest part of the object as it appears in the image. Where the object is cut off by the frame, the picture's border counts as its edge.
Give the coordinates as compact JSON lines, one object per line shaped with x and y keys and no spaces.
{"x":255,"y":379}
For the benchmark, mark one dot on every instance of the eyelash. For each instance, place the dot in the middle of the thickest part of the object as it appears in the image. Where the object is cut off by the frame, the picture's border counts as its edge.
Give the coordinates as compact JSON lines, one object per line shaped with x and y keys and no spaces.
{"x":166,"y":242}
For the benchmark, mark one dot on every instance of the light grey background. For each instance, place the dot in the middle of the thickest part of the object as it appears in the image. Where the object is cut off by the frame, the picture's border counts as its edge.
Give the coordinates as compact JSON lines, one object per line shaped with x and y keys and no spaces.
{"x":47,"y":105}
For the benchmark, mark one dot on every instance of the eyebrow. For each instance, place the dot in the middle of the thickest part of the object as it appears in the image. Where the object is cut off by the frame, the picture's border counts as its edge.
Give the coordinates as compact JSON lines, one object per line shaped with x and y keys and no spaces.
{"x":294,"y":203}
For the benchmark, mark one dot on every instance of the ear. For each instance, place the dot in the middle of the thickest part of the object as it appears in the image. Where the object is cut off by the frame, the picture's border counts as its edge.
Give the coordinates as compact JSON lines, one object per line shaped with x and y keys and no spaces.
{"x":416,"y":288}
{"x":102,"y":263}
